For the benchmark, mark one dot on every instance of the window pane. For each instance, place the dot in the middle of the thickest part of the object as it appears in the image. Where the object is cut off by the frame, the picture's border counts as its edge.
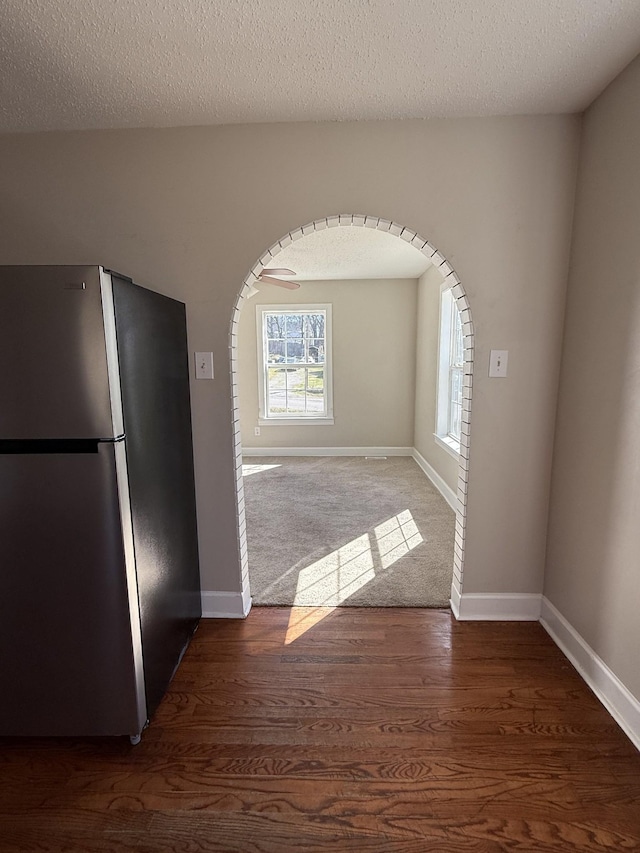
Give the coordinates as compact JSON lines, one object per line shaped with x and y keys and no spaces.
{"x":275,"y":350}
{"x":456,"y":415}
{"x":275,"y":325}
{"x":296,"y":396}
{"x":276,"y":391}
{"x":295,"y":323}
{"x":315,"y":390}
{"x":314,"y":325}
{"x":457,"y":344}
{"x":295,"y":351}
{"x":315,"y":350}
{"x":455,"y":402}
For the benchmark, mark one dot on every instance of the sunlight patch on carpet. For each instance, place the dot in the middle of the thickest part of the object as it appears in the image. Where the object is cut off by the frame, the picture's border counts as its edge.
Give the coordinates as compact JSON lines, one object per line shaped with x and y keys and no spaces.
{"x":330,"y":581}
{"x":335,"y":577}
{"x":247,"y":470}
{"x":397,"y":537}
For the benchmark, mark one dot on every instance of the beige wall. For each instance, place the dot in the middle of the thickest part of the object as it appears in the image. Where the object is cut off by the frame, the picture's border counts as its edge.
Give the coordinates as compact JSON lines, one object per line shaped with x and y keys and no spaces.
{"x":594,"y":532}
{"x":189,"y":211}
{"x":374,"y":357}
{"x":424,"y":442}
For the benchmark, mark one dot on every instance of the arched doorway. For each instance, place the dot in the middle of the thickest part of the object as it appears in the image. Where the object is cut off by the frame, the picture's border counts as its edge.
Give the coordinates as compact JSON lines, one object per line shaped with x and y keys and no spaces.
{"x":458,"y":293}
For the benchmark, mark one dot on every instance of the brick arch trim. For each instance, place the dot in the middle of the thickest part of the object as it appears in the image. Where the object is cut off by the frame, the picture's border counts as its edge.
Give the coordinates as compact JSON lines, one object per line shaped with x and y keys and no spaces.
{"x":457,"y":288}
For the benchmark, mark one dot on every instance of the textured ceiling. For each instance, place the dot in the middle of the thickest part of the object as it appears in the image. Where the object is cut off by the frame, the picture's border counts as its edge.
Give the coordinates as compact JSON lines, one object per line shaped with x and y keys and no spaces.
{"x":140,"y":63}
{"x":348,"y":253}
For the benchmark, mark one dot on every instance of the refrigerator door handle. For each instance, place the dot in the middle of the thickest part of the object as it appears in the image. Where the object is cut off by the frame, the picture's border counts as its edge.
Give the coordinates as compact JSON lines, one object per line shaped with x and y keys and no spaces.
{"x":122,"y":481}
{"x":110,"y":339}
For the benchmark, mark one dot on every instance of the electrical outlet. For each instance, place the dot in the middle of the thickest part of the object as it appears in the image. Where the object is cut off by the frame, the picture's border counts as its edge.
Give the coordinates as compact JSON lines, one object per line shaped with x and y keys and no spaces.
{"x":256,"y":430}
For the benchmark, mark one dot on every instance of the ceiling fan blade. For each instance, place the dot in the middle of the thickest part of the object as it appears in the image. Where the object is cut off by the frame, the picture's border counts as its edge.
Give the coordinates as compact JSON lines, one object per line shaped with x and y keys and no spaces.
{"x":277,"y":271}
{"x":269,"y":279}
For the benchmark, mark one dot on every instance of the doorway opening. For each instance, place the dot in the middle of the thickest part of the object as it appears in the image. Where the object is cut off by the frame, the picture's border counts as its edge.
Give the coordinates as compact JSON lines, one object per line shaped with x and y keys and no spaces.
{"x":455,"y":288}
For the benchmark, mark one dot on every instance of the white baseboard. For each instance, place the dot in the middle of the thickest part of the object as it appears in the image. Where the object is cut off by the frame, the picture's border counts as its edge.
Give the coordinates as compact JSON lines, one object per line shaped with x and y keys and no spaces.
{"x":445,"y":490}
{"x":617,"y":699}
{"x":454,"y":601}
{"x":327,"y":451}
{"x":225,"y":605}
{"x":496,"y":607}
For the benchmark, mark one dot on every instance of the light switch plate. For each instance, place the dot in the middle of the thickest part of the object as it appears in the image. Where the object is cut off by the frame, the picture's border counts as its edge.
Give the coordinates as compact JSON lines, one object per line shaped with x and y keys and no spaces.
{"x":204,"y":365}
{"x":498,"y":363}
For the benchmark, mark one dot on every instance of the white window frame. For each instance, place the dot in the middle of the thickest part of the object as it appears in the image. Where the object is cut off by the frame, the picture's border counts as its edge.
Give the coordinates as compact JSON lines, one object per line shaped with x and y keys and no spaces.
{"x":264,"y":419}
{"x":446,"y":348}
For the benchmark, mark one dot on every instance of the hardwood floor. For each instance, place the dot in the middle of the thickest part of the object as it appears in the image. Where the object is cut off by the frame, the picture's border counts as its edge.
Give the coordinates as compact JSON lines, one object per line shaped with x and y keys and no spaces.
{"x":369,"y":730}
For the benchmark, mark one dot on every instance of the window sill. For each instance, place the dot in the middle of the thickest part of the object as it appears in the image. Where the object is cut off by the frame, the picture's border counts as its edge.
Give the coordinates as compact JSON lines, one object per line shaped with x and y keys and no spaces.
{"x":449,"y":444}
{"x":295,"y":421}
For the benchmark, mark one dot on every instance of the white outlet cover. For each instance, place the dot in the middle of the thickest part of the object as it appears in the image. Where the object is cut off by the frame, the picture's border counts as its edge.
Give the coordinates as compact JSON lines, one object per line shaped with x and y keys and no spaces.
{"x":204,"y":365}
{"x":498,"y":362}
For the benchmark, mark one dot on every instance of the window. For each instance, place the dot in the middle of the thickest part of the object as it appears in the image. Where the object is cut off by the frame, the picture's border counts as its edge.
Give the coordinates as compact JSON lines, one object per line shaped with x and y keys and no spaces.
{"x":450,"y":374}
{"x":294,"y":364}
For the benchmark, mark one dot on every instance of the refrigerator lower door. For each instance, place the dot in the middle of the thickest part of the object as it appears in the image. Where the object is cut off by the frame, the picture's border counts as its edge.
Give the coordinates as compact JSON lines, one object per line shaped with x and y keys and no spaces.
{"x":69,"y":657}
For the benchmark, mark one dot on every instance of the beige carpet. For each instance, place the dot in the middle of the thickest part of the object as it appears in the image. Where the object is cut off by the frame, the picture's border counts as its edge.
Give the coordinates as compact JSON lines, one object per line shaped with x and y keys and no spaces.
{"x":326,"y":531}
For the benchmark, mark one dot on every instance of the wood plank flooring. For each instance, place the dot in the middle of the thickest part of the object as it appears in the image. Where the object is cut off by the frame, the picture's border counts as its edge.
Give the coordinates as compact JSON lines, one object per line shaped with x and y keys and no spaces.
{"x":368,"y":730}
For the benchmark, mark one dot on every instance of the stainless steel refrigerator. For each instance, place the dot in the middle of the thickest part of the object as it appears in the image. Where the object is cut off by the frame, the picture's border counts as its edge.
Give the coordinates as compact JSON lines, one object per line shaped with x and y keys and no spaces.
{"x":99,"y":578}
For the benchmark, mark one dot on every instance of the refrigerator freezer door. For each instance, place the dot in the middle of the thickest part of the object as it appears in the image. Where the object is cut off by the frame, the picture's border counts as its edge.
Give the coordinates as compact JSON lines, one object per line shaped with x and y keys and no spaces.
{"x":53,"y":360}
{"x":68,"y":656}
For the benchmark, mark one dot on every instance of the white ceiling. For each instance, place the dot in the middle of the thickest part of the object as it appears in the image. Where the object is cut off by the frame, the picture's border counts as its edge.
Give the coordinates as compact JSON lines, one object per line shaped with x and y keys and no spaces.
{"x":348,"y":253}
{"x":71,"y":64}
